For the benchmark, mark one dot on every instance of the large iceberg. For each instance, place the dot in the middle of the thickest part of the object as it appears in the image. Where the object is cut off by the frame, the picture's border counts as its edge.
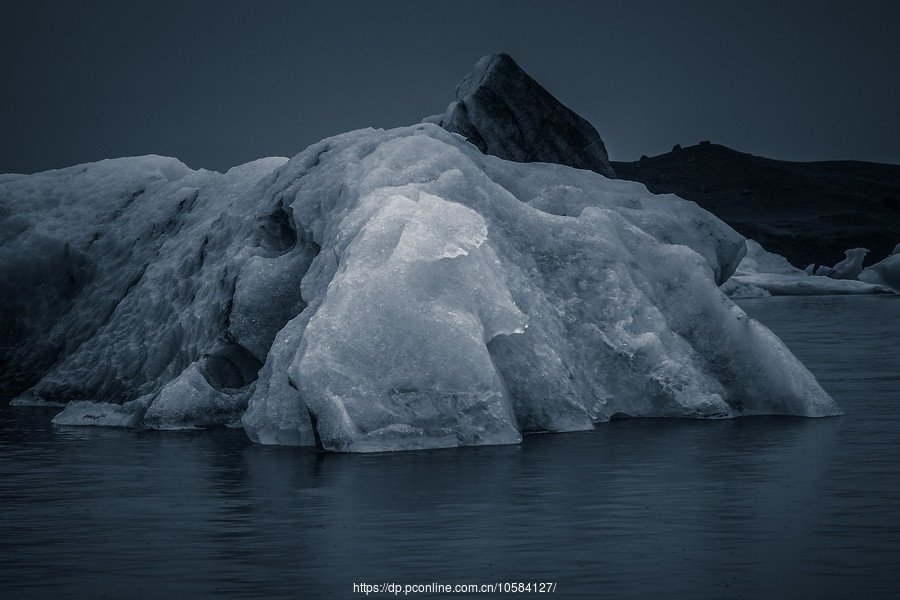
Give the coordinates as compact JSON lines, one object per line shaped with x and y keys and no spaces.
{"x":382,"y":290}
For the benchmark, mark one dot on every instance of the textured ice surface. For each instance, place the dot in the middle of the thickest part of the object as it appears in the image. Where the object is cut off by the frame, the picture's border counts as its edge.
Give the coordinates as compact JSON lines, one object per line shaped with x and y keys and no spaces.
{"x":763,"y":273}
{"x":122,"y":274}
{"x":506,"y":113}
{"x":382,"y":290}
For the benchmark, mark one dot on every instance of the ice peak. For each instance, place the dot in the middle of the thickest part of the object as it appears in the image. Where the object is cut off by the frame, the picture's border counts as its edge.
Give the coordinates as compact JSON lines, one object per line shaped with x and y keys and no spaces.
{"x":482,"y":68}
{"x":504,"y":112}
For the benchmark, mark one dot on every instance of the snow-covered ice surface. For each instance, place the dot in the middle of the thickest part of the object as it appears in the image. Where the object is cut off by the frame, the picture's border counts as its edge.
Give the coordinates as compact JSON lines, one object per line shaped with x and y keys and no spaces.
{"x":382,"y":290}
{"x":762,"y":273}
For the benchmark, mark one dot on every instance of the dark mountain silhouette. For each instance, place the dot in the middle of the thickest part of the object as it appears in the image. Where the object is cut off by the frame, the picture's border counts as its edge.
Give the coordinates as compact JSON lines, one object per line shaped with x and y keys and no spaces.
{"x":807,"y":212}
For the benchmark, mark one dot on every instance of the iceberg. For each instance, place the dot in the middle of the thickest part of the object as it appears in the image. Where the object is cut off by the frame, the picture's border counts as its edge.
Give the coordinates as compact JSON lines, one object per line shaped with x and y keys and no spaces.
{"x":383,"y":290}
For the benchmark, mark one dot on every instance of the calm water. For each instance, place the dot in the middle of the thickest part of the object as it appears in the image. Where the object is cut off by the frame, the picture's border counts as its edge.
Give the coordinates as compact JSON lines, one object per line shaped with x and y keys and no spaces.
{"x":749,"y":508}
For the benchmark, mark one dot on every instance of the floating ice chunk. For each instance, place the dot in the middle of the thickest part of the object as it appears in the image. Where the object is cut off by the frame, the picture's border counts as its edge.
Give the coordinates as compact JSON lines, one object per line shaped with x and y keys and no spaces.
{"x":788,"y":285}
{"x":851,"y":266}
{"x":103,"y":414}
{"x":763,"y":273}
{"x":885,"y":273}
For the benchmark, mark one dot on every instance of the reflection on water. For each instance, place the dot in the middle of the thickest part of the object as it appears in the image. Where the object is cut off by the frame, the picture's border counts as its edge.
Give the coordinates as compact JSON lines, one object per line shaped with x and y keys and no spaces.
{"x":749,"y":508}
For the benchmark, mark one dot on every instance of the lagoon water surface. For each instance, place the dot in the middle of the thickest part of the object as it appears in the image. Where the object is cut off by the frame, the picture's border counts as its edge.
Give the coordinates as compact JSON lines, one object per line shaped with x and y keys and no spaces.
{"x":762,"y":507}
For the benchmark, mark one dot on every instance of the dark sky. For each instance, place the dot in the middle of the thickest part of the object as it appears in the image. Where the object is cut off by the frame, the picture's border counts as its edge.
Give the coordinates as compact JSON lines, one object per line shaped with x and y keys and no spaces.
{"x":219,"y":83}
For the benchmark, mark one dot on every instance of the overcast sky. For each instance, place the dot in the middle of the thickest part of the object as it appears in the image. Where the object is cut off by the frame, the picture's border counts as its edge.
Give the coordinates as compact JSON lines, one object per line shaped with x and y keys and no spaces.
{"x":218,"y":83}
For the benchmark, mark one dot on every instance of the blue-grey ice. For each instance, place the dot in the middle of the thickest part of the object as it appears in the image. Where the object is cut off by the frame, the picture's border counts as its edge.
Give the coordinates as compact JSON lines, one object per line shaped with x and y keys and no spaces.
{"x":763,"y":273}
{"x":885,"y":273}
{"x":382,"y":290}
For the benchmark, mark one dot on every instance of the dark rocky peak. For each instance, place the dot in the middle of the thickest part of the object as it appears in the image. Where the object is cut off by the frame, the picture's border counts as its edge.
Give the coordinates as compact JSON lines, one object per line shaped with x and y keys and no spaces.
{"x":504,"y":112}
